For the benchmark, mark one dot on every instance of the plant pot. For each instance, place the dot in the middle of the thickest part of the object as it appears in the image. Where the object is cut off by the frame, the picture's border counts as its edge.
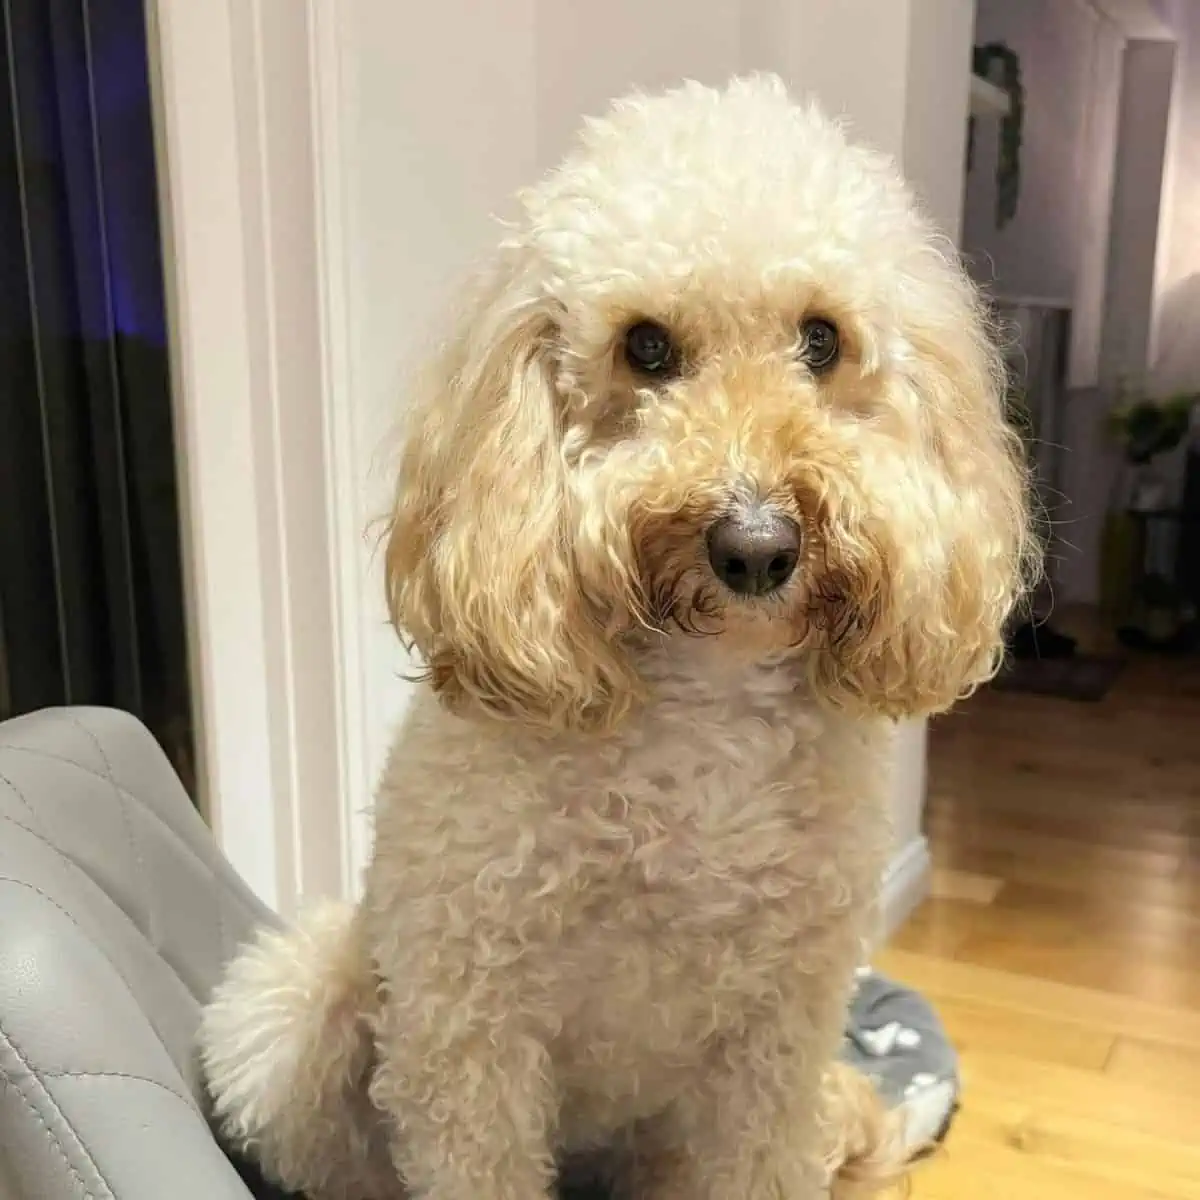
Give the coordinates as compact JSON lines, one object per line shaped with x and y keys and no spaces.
{"x":1120,"y":563}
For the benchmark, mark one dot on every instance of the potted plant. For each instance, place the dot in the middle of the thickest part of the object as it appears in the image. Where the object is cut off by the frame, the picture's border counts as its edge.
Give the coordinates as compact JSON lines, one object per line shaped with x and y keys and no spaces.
{"x":1138,"y":594}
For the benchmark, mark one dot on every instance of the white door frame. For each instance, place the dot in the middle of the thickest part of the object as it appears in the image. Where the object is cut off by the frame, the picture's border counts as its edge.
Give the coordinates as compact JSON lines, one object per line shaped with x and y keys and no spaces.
{"x":247,"y":115}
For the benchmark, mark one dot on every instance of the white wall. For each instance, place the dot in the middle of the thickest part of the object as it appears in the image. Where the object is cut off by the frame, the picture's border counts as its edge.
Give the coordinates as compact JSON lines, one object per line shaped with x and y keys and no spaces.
{"x":1175,"y":348}
{"x":817,"y":45}
{"x":1095,"y":182}
{"x":1056,"y":246}
{"x":936,"y":96}
{"x":586,"y":55}
{"x":437,"y":133}
{"x":1137,"y":200}
{"x":1091,"y":463}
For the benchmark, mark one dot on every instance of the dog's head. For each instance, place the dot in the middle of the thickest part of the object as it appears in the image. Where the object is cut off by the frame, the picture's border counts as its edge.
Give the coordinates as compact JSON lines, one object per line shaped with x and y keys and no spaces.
{"x":724,"y":380}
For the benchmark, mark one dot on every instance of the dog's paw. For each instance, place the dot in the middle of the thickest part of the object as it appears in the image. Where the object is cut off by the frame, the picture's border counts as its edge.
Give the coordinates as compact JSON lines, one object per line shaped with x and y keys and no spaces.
{"x":865,"y":1147}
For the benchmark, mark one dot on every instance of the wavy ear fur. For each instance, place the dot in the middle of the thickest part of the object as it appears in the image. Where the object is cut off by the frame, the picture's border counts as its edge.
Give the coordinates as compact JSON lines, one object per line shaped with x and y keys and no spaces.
{"x":957,"y":552}
{"x":479,"y":566}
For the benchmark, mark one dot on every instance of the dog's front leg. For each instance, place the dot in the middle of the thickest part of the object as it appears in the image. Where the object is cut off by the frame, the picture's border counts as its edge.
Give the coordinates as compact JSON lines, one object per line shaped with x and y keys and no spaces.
{"x":750,"y":1129}
{"x":468,"y":1085}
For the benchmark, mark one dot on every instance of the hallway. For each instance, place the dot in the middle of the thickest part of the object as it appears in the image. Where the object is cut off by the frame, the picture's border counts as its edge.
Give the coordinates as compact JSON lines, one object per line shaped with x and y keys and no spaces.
{"x":1062,"y":941}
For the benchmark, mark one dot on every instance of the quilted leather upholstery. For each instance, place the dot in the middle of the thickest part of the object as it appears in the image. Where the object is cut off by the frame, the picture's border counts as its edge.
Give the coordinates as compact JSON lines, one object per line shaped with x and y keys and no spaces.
{"x":116,"y":914}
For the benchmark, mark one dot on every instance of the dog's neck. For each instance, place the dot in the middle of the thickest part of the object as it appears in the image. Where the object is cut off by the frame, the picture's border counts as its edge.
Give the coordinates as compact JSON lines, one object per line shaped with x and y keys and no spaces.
{"x":687,"y":669}
{"x":714,"y":728}
{"x":712,"y":704}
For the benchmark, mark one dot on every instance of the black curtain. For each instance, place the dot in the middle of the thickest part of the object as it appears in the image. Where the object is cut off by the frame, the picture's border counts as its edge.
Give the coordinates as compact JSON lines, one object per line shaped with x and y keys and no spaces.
{"x":91,"y":598}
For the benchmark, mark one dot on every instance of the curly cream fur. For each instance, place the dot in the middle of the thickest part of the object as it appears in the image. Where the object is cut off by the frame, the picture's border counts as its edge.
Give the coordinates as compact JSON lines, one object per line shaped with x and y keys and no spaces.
{"x":630,"y":835}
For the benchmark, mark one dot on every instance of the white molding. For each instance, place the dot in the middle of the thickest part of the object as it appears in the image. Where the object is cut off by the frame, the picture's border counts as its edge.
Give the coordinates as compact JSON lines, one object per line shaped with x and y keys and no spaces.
{"x":905,"y":884}
{"x":210,"y":359}
{"x":333,"y":181}
{"x":258,"y":359}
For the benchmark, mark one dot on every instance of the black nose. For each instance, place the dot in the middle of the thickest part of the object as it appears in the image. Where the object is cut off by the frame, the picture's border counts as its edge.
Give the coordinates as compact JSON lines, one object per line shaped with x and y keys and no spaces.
{"x":754,"y":551}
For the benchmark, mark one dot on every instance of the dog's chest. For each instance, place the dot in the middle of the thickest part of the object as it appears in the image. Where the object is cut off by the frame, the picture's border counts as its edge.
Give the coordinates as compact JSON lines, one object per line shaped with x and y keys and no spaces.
{"x":643,"y":893}
{"x":719,"y":877}
{"x":718,"y":794}
{"x":712,"y":855}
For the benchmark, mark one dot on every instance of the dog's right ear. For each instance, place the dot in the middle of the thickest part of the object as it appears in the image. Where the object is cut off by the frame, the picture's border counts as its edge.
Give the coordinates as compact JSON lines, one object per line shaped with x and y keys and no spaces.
{"x":479,"y":567}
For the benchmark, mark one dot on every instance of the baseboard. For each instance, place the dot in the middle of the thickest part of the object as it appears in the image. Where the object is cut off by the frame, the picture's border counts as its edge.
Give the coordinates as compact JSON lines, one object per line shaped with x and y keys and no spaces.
{"x":905,"y":884}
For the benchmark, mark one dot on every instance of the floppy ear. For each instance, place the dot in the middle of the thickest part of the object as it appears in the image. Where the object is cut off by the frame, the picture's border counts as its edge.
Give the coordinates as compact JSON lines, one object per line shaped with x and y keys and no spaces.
{"x":479,"y":567}
{"x":953,"y":553}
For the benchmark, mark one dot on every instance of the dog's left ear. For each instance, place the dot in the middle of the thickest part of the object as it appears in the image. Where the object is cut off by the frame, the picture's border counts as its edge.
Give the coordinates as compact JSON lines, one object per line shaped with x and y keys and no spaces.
{"x":953,"y":552}
{"x":479,"y":564}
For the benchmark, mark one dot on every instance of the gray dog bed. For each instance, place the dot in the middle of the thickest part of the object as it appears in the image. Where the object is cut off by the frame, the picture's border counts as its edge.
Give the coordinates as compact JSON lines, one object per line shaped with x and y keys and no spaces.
{"x":894,"y":1037}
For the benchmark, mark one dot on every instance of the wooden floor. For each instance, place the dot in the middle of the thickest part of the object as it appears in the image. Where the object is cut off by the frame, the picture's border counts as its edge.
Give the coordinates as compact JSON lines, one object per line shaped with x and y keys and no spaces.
{"x":1062,"y":943}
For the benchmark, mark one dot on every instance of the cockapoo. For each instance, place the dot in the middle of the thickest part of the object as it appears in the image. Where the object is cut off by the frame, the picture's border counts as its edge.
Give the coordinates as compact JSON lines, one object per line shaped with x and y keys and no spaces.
{"x":711,"y":486}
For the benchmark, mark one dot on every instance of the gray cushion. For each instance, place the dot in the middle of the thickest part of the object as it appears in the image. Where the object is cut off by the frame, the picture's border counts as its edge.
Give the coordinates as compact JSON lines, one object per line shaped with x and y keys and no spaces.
{"x":116,"y":914}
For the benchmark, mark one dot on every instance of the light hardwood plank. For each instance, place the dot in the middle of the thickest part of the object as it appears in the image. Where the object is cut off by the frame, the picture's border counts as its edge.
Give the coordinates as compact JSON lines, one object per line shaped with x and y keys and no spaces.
{"x":1172,"y":1070}
{"x":996,"y":1030}
{"x":944,"y":979}
{"x":1061,"y":941}
{"x":948,"y":884}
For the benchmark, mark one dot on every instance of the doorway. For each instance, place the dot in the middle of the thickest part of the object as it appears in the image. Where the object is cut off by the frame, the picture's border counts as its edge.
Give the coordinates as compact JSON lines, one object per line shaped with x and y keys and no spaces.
{"x":91,"y":584}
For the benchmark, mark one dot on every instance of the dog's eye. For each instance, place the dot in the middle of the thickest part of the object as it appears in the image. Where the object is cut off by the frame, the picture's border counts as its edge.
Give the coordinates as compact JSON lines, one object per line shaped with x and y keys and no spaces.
{"x":649,"y":348}
{"x":820,"y":344}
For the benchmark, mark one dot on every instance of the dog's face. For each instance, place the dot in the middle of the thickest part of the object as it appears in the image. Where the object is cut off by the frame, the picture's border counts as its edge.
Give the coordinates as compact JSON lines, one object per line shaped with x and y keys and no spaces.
{"x":722,"y":381}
